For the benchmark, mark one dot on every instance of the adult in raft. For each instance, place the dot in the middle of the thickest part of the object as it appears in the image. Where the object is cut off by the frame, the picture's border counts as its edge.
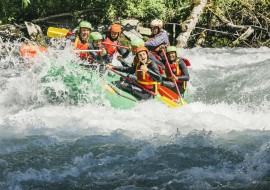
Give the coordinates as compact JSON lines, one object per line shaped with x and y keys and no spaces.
{"x":158,"y":40}
{"x":179,"y":69}
{"x":147,"y":73}
{"x":80,"y":39}
{"x":134,"y":44}
{"x":114,"y":39}
{"x":102,"y":57}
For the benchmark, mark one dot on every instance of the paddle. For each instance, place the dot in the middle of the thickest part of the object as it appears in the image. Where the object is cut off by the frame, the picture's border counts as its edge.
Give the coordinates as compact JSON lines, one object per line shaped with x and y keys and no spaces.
{"x":104,"y":43}
{"x":56,"y":32}
{"x":163,"y":91}
{"x":163,"y":52}
{"x":164,"y":99}
{"x":124,"y":63}
{"x":92,"y":50}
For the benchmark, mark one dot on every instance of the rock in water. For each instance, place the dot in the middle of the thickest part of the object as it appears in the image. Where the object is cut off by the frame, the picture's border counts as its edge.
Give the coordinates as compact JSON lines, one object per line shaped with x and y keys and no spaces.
{"x":35,"y":33}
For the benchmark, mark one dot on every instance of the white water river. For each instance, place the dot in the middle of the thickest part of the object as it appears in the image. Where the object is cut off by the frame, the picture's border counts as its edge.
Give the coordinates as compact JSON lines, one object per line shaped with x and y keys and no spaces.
{"x":223,"y":138}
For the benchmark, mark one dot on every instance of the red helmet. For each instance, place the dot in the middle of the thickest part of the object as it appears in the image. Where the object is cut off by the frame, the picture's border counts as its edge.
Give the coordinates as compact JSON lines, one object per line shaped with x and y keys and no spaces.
{"x":116,"y":28}
{"x":141,"y":48}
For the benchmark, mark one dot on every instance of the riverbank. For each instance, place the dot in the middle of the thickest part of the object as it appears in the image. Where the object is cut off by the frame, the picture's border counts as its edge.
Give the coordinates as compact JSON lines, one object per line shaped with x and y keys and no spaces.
{"x":203,"y":23}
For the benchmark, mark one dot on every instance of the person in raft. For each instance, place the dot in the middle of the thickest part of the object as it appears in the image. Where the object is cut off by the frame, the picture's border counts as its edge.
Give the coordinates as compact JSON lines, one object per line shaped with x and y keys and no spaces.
{"x":134,"y":44}
{"x":179,"y":70}
{"x":147,"y":73}
{"x":80,"y":39}
{"x":158,"y":40}
{"x":95,"y":44}
{"x":114,"y":39}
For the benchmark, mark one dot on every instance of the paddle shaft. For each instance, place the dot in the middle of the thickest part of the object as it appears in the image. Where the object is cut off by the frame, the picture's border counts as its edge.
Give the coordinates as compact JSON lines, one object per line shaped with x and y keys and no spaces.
{"x":134,"y":82}
{"x":79,"y":50}
{"x":104,"y":43}
{"x":172,"y":75}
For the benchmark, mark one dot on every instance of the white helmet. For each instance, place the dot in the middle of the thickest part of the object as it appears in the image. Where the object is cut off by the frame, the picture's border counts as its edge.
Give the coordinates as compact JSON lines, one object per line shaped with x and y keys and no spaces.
{"x":157,"y":22}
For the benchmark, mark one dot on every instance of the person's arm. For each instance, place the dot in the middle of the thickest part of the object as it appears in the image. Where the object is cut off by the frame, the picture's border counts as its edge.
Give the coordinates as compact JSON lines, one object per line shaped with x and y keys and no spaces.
{"x":107,"y":58}
{"x":124,"y":63}
{"x":130,"y":70}
{"x":124,"y":55}
{"x":153,"y":71}
{"x":70,"y":38}
{"x":123,"y":51}
{"x":94,"y":55}
{"x":184,"y":71}
{"x":153,"y":57}
{"x":161,"y":39}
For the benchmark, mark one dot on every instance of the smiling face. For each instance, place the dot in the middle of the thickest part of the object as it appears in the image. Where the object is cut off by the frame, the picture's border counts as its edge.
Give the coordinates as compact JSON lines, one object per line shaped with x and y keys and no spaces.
{"x":143,"y":56}
{"x":171,"y":56}
{"x":97,"y":43}
{"x":85,"y":32}
{"x":154,"y":30}
{"x":114,"y":35}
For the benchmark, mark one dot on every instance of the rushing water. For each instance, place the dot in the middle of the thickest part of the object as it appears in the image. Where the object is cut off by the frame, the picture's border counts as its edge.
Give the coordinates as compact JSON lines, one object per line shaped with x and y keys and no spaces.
{"x":220,"y":141}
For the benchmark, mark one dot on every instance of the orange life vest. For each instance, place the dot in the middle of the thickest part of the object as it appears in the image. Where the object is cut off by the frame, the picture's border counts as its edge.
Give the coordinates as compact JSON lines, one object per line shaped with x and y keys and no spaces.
{"x":30,"y":51}
{"x":175,"y":69}
{"x":81,"y":46}
{"x":135,"y":61}
{"x":111,"y":49}
{"x":145,"y":79}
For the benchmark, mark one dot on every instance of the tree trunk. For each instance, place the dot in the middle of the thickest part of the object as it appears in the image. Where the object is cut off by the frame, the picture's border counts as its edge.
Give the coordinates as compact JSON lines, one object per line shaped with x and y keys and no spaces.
{"x":189,"y":25}
{"x":244,"y":36}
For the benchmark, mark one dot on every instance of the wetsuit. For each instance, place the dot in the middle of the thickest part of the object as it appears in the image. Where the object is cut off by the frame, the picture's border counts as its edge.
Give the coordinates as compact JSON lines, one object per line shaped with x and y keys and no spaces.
{"x":153,"y":72}
{"x":151,"y":55}
{"x":155,"y":40}
{"x":96,"y":57}
{"x":182,"y":78}
{"x":113,"y":49}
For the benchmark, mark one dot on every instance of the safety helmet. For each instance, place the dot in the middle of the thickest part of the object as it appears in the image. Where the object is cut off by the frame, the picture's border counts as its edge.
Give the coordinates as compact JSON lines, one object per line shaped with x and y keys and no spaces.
{"x":171,"y":48}
{"x":137,"y":42}
{"x":95,"y":36}
{"x":156,"y":22}
{"x":116,"y":28}
{"x":84,"y":24}
{"x":141,"y":48}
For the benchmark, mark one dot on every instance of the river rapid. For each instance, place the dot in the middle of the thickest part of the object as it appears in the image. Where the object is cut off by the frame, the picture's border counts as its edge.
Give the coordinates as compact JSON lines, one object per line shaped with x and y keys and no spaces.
{"x":219,"y":141}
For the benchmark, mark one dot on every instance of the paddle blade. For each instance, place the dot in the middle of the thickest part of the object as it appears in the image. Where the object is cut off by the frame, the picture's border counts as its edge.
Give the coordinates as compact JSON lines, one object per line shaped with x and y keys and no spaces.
{"x":163,"y":91}
{"x":56,"y":32}
{"x":168,"y":102}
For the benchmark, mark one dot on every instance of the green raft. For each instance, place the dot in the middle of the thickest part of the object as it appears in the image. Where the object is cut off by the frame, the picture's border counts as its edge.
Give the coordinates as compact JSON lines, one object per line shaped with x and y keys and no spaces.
{"x":81,"y":82}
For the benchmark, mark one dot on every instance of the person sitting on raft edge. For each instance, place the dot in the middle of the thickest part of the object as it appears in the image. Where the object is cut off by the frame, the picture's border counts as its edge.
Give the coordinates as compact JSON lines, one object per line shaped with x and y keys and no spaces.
{"x":95,"y":44}
{"x":179,"y":70}
{"x":134,"y":44}
{"x":114,"y":39}
{"x":158,"y":40}
{"x":147,"y":73}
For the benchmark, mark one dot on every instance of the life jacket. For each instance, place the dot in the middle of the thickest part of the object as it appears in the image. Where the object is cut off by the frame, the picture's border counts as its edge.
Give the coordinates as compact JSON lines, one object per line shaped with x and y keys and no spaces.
{"x":81,"y":46}
{"x":145,"y":79}
{"x":30,"y":51}
{"x":136,"y":61}
{"x":111,"y":49}
{"x":175,"y":70}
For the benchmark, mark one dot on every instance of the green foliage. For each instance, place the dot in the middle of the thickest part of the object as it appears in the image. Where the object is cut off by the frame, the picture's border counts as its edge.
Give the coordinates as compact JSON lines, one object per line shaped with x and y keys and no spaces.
{"x":20,"y":10}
